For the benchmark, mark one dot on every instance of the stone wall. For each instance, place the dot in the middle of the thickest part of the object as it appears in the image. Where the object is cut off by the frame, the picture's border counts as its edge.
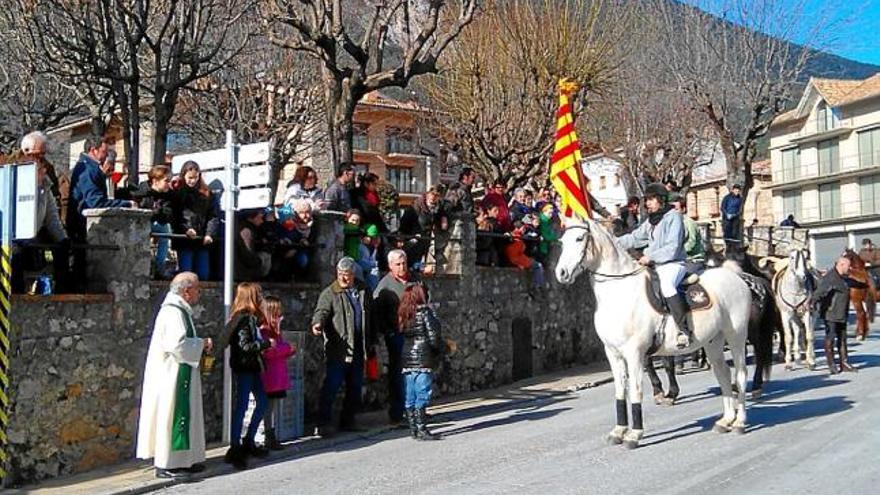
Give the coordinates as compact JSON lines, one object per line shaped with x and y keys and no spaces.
{"x":77,"y":361}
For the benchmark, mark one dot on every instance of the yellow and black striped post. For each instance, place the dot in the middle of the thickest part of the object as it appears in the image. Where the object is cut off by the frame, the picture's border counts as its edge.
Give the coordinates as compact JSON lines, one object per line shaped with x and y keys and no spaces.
{"x":5,"y":292}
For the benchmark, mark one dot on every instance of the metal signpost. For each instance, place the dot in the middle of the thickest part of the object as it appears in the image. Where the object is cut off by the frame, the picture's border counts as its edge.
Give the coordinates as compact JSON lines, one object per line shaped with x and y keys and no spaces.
{"x":242,"y":173}
{"x":18,"y":206}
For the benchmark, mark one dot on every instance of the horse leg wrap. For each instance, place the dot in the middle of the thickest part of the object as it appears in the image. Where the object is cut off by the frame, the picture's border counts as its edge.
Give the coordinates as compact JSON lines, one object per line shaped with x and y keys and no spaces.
{"x":622,"y":419}
{"x":637,"y":417}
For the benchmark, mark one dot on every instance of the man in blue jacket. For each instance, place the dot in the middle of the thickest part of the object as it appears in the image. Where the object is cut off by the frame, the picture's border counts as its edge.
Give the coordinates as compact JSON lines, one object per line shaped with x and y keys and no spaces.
{"x":731,"y":214}
{"x":88,"y":189}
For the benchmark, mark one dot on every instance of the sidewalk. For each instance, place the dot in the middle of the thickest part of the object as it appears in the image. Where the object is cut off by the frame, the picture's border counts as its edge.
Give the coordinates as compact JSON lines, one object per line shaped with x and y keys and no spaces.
{"x":136,"y":476}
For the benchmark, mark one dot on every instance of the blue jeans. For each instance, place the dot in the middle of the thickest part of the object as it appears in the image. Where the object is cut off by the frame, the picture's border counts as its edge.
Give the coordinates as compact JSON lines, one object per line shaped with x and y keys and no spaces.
{"x":163,"y":244}
{"x":418,"y":389}
{"x":396,"y":388}
{"x":247,"y":384}
{"x":337,"y":373}
{"x":195,"y":260}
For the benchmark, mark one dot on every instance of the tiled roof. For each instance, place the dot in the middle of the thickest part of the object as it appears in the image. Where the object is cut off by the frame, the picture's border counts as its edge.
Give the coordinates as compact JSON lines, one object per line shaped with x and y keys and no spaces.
{"x":835,"y":91}
{"x":868,"y":88}
{"x":377,"y":99}
{"x":788,"y":116}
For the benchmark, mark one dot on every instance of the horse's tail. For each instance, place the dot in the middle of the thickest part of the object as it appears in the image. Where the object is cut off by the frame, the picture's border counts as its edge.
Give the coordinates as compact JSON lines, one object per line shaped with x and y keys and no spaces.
{"x":769,"y":325}
{"x":732,"y":266}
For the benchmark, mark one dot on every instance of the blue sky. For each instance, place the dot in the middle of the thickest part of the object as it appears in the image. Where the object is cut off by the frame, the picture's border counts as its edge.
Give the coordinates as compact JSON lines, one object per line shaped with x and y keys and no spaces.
{"x":855,"y":23}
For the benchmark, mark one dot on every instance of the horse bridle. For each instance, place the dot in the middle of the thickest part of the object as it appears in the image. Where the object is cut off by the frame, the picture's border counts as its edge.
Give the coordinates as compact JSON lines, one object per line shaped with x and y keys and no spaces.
{"x":801,"y":258}
{"x":593,"y":272}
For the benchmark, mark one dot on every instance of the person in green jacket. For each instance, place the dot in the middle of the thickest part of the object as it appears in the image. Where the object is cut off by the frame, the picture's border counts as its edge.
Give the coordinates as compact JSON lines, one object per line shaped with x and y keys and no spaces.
{"x":693,"y":243}
{"x":547,"y":228}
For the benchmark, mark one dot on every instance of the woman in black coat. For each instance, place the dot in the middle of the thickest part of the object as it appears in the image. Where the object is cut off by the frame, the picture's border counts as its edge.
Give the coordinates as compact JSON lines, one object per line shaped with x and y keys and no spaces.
{"x":422,"y":348}
{"x":195,"y":217}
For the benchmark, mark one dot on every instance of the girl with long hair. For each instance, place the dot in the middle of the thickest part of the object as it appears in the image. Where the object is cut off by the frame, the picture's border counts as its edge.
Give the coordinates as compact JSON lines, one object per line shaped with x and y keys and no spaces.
{"x":195,"y":216}
{"x":246,"y":360}
{"x":275,"y":377}
{"x":423,"y":346}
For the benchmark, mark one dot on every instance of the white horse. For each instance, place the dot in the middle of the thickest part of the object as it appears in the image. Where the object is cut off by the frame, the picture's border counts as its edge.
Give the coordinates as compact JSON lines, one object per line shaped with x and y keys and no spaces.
{"x":793,"y":298}
{"x":627,"y":324}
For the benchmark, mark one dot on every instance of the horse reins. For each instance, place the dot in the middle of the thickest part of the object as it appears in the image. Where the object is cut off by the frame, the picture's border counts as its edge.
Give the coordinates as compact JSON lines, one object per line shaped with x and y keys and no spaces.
{"x":797,"y":306}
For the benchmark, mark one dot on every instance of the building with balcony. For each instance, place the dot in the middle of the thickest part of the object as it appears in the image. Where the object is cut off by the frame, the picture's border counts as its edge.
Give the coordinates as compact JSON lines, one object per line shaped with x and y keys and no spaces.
{"x":825,"y":156}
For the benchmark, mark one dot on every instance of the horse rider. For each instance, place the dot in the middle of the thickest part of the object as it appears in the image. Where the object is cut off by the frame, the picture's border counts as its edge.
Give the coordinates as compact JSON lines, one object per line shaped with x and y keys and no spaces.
{"x":871,"y":256}
{"x":693,"y":239}
{"x":664,"y":234}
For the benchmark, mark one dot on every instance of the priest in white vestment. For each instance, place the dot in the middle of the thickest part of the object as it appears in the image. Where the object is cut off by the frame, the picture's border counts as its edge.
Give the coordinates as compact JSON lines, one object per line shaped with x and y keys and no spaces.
{"x":171,"y":428}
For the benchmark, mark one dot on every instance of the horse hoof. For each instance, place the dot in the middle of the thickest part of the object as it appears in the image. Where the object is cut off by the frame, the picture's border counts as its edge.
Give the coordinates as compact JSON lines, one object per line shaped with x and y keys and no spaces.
{"x":756,"y":394}
{"x":719,"y":428}
{"x":811,"y":367}
{"x":658,"y":398}
{"x":789,"y":367}
{"x":613,"y":440}
{"x":740,"y":430}
{"x":631,"y":444}
{"x":668,"y":401}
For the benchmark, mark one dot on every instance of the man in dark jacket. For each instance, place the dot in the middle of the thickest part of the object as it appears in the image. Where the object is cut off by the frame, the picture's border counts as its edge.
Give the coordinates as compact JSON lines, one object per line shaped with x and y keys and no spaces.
{"x":731,"y":214}
{"x":343,"y":317}
{"x":459,"y":198}
{"x":337,"y":195}
{"x":386,"y":301}
{"x":88,"y":189}
{"x":425,"y":216}
{"x":832,"y":299}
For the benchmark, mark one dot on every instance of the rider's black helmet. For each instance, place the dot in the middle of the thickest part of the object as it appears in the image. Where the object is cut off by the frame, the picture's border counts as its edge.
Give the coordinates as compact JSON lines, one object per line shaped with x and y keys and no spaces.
{"x":656,"y":190}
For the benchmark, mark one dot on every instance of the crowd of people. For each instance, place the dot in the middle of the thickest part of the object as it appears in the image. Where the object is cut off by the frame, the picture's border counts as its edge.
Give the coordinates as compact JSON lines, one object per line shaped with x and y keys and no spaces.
{"x":349,"y":317}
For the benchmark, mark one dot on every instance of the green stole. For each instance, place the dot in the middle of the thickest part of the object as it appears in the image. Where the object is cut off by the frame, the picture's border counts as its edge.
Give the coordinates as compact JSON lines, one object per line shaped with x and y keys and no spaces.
{"x":180,"y":426}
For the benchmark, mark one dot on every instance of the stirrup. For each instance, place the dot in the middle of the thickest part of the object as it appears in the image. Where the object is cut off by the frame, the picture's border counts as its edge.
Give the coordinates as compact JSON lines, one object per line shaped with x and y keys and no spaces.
{"x":682,"y":340}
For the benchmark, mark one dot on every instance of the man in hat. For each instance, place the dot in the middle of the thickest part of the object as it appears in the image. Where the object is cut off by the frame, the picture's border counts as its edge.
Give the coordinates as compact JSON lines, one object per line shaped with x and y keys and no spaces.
{"x":663,"y":235}
{"x":343,"y":318}
{"x":731,"y":215}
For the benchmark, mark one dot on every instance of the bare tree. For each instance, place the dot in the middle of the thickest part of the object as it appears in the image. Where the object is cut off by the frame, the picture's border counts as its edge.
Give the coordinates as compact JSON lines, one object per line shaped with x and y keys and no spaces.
{"x":279,"y":100}
{"x":141,"y":52}
{"x":740,"y":70}
{"x":496,"y":101}
{"x":364,"y":46}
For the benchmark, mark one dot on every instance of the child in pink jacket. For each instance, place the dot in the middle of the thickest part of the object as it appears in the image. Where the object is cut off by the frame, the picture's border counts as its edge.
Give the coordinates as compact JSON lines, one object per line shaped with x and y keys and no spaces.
{"x":275,"y":378}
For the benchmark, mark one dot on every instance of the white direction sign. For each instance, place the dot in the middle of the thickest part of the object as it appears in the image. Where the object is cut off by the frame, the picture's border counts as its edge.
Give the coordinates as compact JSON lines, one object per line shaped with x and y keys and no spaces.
{"x":22,"y":191}
{"x":216,"y":159}
{"x":252,"y":177}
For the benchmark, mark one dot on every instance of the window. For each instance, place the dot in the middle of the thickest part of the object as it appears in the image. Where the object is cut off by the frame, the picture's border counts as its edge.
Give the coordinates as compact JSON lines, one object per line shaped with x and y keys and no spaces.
{"x":829,"y":201}
{"x":791,"y":204}
{"x":791,"y":164}
{"x":360,"y":138}
{"x":869,"y":148}
{"x":602,"y":183}
{"x":826,"y":118}
{"x":616,"y":182}
{"x":869,"y":191}
{"x":401,"y":179}
{"x":399,"y":140}
{"x":829,"y":157}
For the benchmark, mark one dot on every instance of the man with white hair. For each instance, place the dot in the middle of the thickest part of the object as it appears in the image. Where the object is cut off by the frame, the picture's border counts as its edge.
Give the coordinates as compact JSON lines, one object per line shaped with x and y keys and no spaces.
{"x":343,"y":317}
{"x":34,"y":146}
{"x":386,"y":300}
{"x":171,"y":428}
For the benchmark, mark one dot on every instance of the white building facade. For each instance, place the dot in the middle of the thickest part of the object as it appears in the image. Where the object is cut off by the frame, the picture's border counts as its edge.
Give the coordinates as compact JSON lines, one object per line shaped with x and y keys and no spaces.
{"x":825,"y":159}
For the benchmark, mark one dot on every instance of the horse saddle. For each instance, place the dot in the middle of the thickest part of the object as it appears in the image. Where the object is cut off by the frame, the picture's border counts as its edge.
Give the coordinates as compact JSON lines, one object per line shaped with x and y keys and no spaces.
{"x":694,"y":293}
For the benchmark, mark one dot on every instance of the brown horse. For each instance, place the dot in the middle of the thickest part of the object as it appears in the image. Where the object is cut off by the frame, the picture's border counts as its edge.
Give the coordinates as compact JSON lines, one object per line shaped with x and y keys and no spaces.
{"x":862,"y":293}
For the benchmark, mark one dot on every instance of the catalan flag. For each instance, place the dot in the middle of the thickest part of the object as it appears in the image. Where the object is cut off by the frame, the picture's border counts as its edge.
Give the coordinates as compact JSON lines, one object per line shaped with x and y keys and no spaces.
{"x":565,"y":166}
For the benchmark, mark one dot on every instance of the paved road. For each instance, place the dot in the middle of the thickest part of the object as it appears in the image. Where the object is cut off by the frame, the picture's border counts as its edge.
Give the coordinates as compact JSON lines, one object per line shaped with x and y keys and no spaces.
{"x":810,"y":434}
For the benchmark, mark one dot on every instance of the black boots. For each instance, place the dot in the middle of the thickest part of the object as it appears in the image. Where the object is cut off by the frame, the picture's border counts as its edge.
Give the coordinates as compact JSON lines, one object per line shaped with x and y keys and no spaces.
{"x":411,"y":420}
{"x":678,"y":307}
{"x":829,"y":354}
{"x":253,"y":450}
{"x":844,"y":354}
{"x":422,"y":432}
{"x":237,"y":457}
{"x":272,"y":442}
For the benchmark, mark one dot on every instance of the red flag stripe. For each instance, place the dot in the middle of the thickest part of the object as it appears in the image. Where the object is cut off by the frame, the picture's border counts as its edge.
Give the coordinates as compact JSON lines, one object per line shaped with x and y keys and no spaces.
{"x":563,"y":111}
{"x":568,"y":150}
{"x":564,"y":131}
{"x":574,"y":190}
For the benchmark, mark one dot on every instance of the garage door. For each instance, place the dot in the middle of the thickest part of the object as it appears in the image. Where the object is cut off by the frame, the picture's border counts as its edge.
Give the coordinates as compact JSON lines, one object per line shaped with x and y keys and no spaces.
{"x":828,"y":248}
